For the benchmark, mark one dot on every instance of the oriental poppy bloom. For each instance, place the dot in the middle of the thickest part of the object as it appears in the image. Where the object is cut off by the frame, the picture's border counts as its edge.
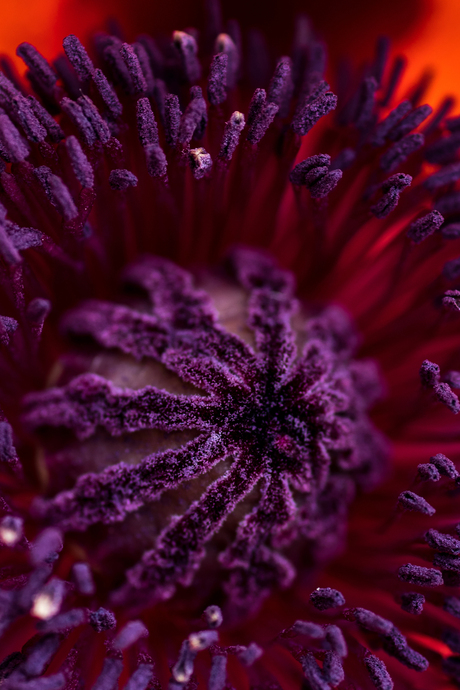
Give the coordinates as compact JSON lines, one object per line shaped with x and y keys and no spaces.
{"x":228,"y":352}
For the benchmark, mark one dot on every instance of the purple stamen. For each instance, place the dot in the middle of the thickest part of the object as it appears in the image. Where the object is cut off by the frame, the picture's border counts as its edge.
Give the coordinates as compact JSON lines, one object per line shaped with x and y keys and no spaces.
{"x":37,"y":64}
{"x":188,"y":49}
{"x":194,"y":120}
{"x":225,"y":44}
{"x":55,"y":132}
{"x":78,"y":57}
{"x":429,"y":373}
{"x":146,"y":123}
{"x":102,"y":620}
{"x":445,"y":466}
{"x":79,"y":119}
{"x":326,"y":598}
{"x":410,"y":122}
{"x":424,"y":227}
{"x":81,"y":166}
{"x":107,"y":94}
{"x":410,"y":501}
{"x":200,"y":163}
{"x":127,"y":52}
{"x":419,"y":575}
{"x":378,"y":672}
{"x":400,"y":151}
{"x":121,"y":179}
{"x":157,"y":165}
{"x":314,"y":110}
{"x":384,"y":127}
{"x":412,"y":602}
{"x":172,"y":119}
{"x":447,"y":397}
{"x":231,"y":136}
{"x":217,"y":80}
{"x":391,"y":188}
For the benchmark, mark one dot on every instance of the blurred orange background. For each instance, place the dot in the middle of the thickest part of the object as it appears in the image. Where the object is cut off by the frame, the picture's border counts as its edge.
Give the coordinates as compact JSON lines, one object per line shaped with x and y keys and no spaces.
{"x":426,"y":30}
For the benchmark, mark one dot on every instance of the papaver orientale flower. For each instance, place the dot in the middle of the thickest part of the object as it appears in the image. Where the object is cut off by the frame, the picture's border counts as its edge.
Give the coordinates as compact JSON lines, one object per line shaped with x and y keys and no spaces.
{"x":228,"y":359}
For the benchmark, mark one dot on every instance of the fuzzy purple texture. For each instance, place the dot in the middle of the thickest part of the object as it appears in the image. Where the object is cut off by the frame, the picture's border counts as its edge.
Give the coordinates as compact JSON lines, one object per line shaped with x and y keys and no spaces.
{"x":26,"y":117}
{"x":37,"y":64}
{"x":188,"y":49}
{"x":281,"y":86}
{"x":80,"y":164}
{"x":121,"y":179}
{"x":133,"y":65}
{"x":231,"y":136}
{"x":313,"y":111}
{"x":369,"y":620}
{"x":396,"y":645}
{"x":442,"y":542}
{"x":400,"y":151}
{"x":391,"y":188}
{"x":107,"y":94}
{"x":315,"y":175}
{"x":428,"y":472}
{"x":326,"y":598}
{"x":102,"y":620}
{"x":193,"y":121}
{"x":446,"y":561}
{"x":200,"y":163}
{"x":78,"y":57}
{"x":410,"y":501}
{"x":157,"y":165}
{"x":445,"y":466}
{"x":384,"y":127}
{"x":429,"y":374}
{"x":378,"y":672}
{"x":146,"y":123}
{"x":98,"y":124}
{"x":412,"y":602}
{"x":410,"y":122}
{"x":419,"y":575}
{"x":172,"y":118}
{"x":217,"y":80}
{"x":424,"y":227}
{"x":13,"y":145}
{"x":447,"y":397}
{"x":76,"y":115}
{"x":293,"y":422}
{"x":54,"y":130}
{"x":146,"y":68}
{"x":226,"y":44}
{"x":261,"y":119}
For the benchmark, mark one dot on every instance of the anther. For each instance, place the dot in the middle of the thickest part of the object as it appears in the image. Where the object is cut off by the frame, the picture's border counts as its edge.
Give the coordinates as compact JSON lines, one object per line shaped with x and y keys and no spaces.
{"x":325,"y":598}
{"x":424,"y":227}
{"x":217,"y":81}
{"x":78,"y":57}
{"x":410,"y":501}
{"x":412,"y":602}
{"x":80,"y":164}
{"x":419,"y":575}
{"x":133,"y":65}
{"x":121,"y":179}
{"x":231,"y":136}
{"x":188,"y":49}
{"x":200,"y":163}
{"x":37,"y":64}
